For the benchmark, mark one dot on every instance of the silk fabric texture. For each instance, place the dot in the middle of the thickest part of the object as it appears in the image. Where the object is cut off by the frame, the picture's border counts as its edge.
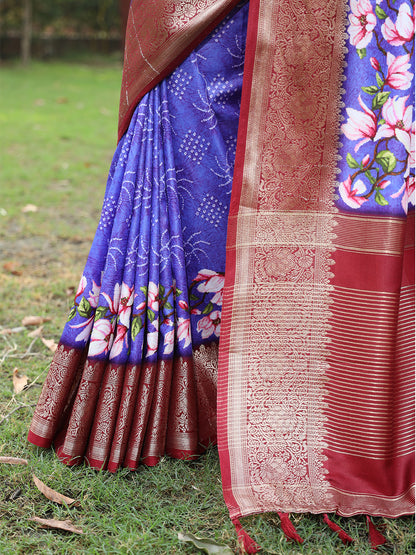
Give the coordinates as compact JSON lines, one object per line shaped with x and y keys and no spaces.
{"x":315,"y":365}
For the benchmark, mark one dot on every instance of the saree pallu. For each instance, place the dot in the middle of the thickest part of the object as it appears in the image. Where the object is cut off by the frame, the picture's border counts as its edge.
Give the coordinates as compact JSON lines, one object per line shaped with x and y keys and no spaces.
{"x":315,"y":368}
{"x":316,"y":361}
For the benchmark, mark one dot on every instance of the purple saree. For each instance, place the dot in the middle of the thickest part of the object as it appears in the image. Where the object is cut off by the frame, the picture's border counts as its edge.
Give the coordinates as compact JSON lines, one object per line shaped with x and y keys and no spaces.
{"x":315,"y":372}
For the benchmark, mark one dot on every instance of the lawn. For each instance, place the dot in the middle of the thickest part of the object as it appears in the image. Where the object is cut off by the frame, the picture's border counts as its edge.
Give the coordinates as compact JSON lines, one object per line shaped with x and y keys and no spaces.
{"x":58,"y":131}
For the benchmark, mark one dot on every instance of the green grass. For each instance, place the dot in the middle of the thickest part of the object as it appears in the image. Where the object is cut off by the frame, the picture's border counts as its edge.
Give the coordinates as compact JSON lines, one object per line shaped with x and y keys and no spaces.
{"x":58,"y":125}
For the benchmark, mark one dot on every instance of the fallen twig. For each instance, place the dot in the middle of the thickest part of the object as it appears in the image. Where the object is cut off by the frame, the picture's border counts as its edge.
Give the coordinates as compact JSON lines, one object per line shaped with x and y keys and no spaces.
{"x":14,"y":410}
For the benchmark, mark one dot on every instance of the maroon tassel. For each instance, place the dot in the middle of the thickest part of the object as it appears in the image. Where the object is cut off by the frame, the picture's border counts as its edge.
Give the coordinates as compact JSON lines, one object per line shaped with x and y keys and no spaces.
{"x":247,"y":544}
{"x":343,"y":536}
{"x":376,"y":537}
{"x":288,"y":528}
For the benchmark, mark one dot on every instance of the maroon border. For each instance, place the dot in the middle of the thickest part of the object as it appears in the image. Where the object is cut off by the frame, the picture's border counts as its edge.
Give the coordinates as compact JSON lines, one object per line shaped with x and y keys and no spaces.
{"x":224,"y":349}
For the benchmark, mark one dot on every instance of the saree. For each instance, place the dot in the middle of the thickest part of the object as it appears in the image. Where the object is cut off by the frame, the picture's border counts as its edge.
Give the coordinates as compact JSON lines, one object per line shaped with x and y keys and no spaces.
{"x":312,"y":294}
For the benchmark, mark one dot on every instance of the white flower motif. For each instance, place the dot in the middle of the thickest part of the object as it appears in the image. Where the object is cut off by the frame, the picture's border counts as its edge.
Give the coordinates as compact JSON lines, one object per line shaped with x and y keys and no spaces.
{"x":126,"y":301}
{"x":113,"y":302}
{"x":119,"y":341}
{"x":101,"y":337}
{"x":184,"y":331}
{"x":152,"y":342}
{"x":169,"y":342}
{"x":81,"y":287}
{"x":94,"y":294}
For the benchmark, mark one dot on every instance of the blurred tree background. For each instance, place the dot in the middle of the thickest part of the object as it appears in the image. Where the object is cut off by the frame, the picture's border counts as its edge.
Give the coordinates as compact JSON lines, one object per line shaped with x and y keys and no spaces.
{"x":56,"y":28}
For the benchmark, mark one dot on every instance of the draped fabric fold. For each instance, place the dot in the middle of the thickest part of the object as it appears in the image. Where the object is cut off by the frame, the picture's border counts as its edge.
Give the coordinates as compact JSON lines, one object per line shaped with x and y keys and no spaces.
{"x":134,"y":376}
{"x":315,"y":366}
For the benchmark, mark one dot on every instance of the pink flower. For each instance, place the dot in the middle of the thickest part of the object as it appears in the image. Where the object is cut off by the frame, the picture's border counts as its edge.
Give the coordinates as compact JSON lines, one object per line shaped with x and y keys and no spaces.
{"x":169,"y":342}
{"x":217,"y":298}
{"x":124,"y":308}
{"x":183,"y":305}
{"x":362,"y":23}
{"x":411,"y":158}
{"x":121,"y":337}
{"x":184,"y":331}
{"x":101,"y":337}
{"x":213,"y":281}
{"x":360,"y":125}
{"x":408,"y":191}
{"x":152,"y":342}
{"x":113,"y":302}
{"x":141,"y":305}
{"x":383,"y":184}
{"x":210,"y":324}
{"x":81,"y":287}
{"x":153,"y":296}
{"x":204,"y":274}
{"x":365,"y":160}
{"x":402,"y":31}
{"x":349,"y":196}
{"x":397,"y":75}
{"x":94,"y":294}
{"x":375,"y":64}
{"x":398,"y":121}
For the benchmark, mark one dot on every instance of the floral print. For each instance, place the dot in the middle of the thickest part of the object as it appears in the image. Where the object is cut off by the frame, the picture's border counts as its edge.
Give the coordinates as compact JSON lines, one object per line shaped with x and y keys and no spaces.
{"x":350,"y":195}
{"x":398,"y":76}
{"x":401,"y":32}
{"x":156,"y":265}
{"x":362,"y":23}
{"x":379,"y":110}
{"x":360,"y":126}
{"x":101,"y":337}
{"x":398,"y":121}
{"x":210,"y":325}
{"x":153,"y":309}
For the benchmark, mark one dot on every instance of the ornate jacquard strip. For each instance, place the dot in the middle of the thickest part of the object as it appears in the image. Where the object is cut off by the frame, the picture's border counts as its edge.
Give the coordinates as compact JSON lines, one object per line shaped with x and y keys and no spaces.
{"x":281,"y":237}
{"x":57,"y":394}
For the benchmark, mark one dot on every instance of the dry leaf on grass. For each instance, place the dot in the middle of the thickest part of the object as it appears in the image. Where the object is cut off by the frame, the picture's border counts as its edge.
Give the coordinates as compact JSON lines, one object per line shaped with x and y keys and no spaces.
{"x":19,"y":382}
{"x":50,"y":343}
{"x":30,"y":208}
{"x":34,"y":320}
{"x":54,"y":495}
{"x":12,"y":460}
{"x":9,"y":331}
{"x":13,"y":268}
{"x":206,"y":544}
{"x":36,"y":332}
{"x":53,"y":524}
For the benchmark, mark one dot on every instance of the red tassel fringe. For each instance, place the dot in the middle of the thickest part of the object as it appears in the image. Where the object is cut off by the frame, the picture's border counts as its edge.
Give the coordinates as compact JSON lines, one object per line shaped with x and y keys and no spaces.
{"x":376,"y":537}
{"x":288,"y":529}
{"x":247,"y":544}
{"x":343,"y":536}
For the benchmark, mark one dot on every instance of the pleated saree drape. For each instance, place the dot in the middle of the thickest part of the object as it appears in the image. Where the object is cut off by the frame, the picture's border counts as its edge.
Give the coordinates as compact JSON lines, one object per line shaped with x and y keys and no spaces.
{"x":315,"y":367}
{"x":134,"y":376}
